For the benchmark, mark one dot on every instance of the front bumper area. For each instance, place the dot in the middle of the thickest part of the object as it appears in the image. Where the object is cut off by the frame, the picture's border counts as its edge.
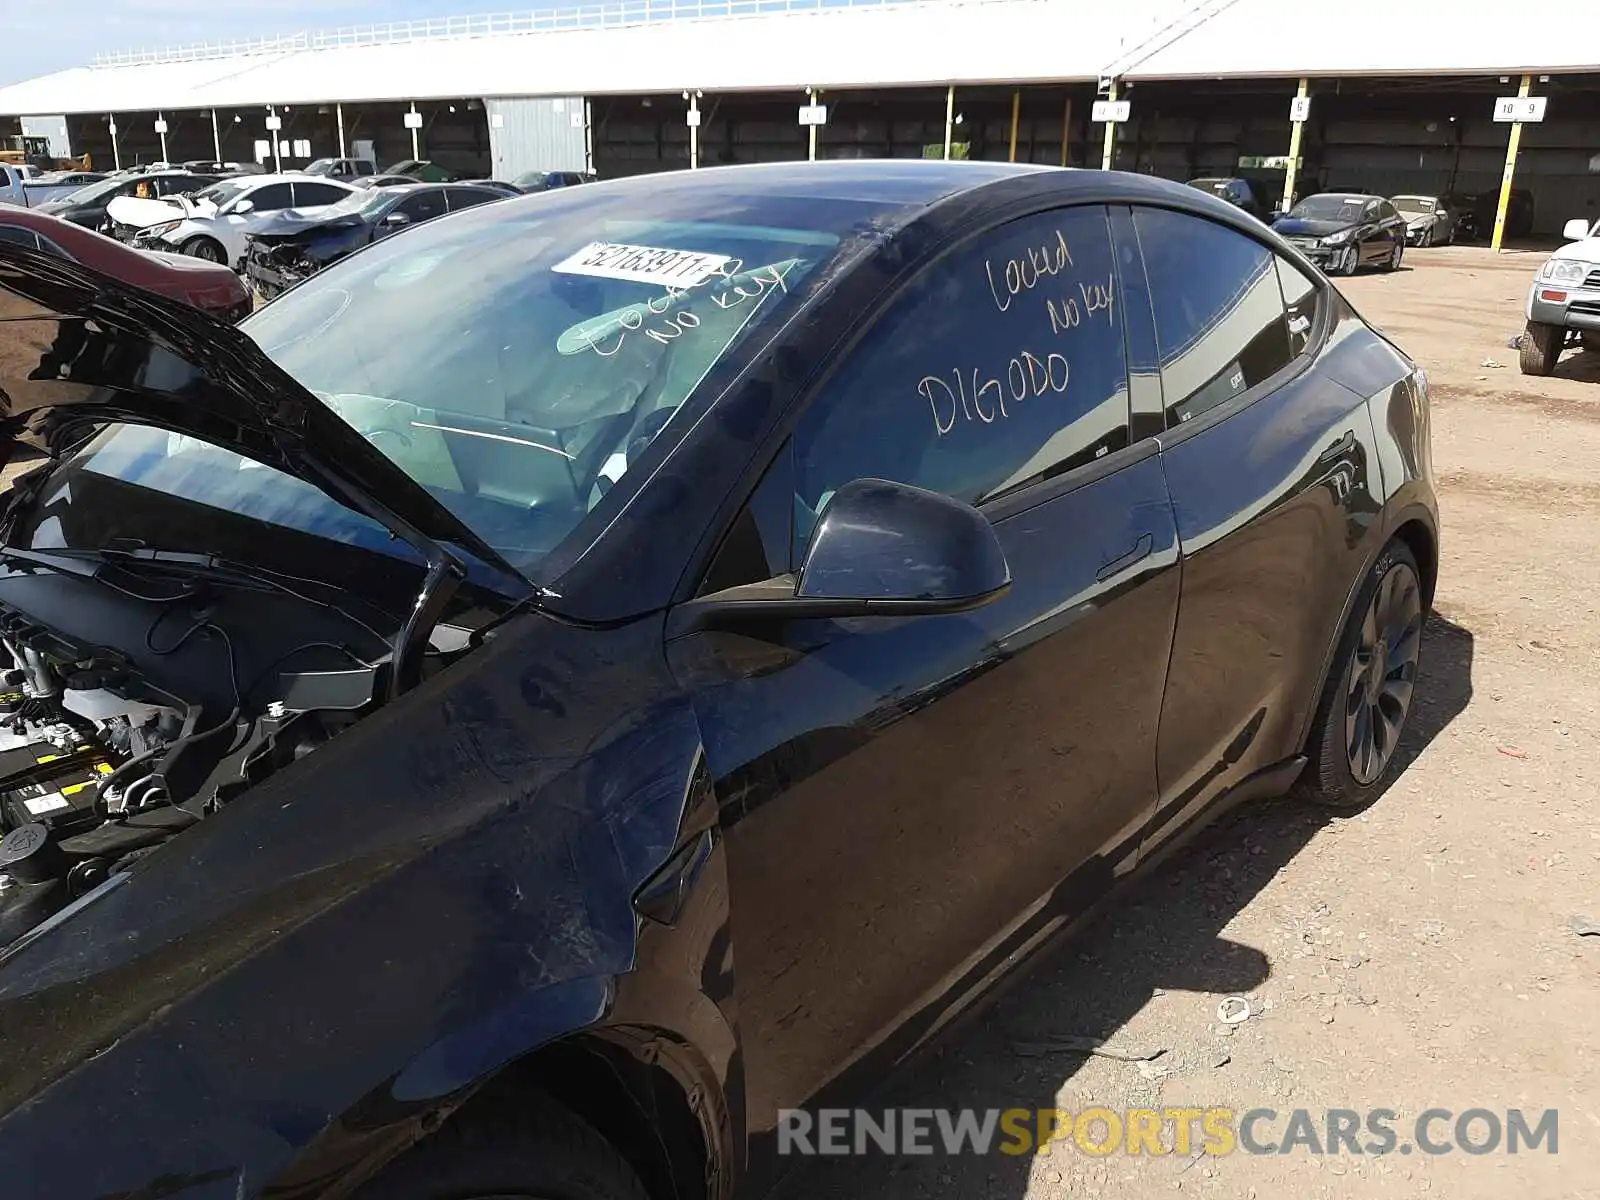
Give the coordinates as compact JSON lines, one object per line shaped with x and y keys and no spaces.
{"x":266,"y":275}
{"x":1580,"y":308}
{"x":1316,"y":251}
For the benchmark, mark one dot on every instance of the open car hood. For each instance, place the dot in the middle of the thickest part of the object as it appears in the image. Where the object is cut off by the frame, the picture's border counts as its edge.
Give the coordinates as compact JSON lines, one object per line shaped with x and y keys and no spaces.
{"x":77,"y":348}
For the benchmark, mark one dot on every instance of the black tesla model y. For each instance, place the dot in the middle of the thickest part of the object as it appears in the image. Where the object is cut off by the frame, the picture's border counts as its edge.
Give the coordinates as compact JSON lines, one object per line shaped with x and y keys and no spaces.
{"x":559,"y":687}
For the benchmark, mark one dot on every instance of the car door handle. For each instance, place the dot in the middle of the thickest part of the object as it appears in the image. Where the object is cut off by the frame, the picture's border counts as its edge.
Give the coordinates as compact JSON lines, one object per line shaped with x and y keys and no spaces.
{"x":1141,"y":550}
{"x":1340,"y":448}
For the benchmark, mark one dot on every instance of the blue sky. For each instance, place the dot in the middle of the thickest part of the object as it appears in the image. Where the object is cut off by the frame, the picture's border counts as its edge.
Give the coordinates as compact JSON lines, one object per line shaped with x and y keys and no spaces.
{"x":40,"y":36}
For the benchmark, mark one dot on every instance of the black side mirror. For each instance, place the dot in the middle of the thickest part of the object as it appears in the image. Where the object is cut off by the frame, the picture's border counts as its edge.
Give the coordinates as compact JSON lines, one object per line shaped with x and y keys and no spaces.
{"x":879,"y":549}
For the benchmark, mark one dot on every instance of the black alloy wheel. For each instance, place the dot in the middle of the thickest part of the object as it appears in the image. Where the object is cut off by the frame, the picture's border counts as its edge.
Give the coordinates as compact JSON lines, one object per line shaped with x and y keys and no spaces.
{"x":1383,"y":673}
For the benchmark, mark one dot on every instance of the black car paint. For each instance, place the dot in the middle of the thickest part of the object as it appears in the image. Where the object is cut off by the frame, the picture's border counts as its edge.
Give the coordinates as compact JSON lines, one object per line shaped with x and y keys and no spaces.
{"x":1376,"y":237}
{"x":308,"y":981}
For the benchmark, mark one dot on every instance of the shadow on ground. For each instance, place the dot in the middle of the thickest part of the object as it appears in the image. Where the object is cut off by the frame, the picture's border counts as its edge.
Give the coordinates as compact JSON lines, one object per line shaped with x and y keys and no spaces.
{"x":1165,"y":933}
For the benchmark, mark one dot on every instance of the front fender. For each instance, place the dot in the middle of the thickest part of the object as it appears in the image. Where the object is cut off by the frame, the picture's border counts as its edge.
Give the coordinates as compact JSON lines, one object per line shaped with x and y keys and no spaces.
{"x":443,"y":884}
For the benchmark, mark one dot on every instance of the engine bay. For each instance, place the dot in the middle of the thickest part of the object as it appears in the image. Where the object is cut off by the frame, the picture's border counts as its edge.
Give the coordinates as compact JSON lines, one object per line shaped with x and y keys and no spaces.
{"x":156,"y":692}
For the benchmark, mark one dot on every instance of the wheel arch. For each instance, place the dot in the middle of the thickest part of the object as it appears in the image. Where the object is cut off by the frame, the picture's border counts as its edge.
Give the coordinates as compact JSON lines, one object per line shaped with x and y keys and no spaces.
{"x":1413,"y":526}
{"x":652,"y":1096}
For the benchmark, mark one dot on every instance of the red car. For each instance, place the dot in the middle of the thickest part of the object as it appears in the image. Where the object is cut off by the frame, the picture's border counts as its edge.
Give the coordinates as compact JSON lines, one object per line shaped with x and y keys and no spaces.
{"x":207,"y":286}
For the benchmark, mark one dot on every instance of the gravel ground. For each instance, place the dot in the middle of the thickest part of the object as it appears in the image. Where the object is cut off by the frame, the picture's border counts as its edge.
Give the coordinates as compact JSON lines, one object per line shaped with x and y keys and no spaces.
{"x":1419,"y":955}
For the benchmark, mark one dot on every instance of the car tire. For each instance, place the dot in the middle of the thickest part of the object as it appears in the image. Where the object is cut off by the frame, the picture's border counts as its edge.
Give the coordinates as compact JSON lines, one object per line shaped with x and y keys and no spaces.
{"x":1540,"y":348}
{"x":1393,"y":264}
{"x":1348,"y":261}
{"x":1351,"y":750}
{"x":535,"y":1148}
{"x":206,"y":248}
{"x":1426,"y":240}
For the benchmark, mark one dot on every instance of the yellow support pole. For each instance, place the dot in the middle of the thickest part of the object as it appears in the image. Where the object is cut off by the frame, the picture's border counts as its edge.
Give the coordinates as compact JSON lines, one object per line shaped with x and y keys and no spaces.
{"x":1293,"y":168}
{"x":1066,"y":129}
{"x":1511,"y":169}
{"x":1016,"y":115}
{"x":949,"y":118}
{"x":1111,"y":133}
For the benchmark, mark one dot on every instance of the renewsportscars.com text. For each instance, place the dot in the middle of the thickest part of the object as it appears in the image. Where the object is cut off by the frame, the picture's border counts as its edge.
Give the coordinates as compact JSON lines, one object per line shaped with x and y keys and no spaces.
{"x":1162,"y":1131}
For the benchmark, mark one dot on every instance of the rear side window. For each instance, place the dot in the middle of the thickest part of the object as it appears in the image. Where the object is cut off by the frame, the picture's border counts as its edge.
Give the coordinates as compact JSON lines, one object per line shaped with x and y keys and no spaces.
{"x":271,"y":198}
{"x":1220,"y":326}
{"x":308,"y":194}
{"x":12,"y":236}
{"x":422,"y":207}
{"x":999,"y":366}
{"x":468,"y":197}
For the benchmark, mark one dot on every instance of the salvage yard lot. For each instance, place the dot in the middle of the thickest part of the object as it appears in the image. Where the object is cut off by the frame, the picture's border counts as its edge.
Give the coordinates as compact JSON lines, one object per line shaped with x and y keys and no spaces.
{"x":1419,"y":955}
{"x":1416,"y":956}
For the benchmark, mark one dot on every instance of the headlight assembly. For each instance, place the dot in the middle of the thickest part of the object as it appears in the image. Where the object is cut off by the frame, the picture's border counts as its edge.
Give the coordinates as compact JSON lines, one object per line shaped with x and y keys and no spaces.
{"x":1338,"y":239}
{"x":1564,"y":270}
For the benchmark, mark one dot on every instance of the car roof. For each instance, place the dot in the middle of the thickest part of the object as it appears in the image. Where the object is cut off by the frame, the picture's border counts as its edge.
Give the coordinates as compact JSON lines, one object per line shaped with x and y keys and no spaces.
{"x":911,"y":181}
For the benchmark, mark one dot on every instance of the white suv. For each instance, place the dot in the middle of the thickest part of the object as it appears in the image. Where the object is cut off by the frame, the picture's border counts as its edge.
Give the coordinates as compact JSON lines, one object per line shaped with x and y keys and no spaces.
{"x":1563,"y":305}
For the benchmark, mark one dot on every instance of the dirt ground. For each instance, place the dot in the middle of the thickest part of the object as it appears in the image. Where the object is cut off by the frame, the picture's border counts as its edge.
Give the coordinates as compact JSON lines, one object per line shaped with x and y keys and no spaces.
{"x":1416,"y":956}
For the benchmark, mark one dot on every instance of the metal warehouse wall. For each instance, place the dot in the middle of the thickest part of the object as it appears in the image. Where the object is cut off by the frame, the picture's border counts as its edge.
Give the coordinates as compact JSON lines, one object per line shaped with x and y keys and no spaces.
{"x":455,"y":134}
{"x":537,"y":135}
{"x":1384,"y":136}
{"x":634,"y":135}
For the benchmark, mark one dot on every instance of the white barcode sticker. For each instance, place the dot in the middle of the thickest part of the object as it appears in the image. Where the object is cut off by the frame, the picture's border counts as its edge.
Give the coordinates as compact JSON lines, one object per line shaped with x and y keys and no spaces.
{"x":49,"y":802}
{"x":642,"y":264}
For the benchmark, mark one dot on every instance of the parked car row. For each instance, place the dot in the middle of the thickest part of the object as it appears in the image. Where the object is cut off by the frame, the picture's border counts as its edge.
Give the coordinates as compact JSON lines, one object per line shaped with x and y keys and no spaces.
{"x":1431,"y":220}
{"x":583,"y":677}
{"x":293,"y":245}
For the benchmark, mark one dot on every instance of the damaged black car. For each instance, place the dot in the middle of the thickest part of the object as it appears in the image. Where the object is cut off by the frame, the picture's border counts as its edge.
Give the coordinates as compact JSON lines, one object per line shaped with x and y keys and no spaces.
{"x":559,"y":692}
{"x":290,"y":246}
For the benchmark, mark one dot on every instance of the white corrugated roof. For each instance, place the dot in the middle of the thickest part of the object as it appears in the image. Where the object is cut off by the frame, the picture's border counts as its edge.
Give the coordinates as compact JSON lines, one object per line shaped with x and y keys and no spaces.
{"x":858,"y":44}
{"x":935,"y":42}
{"x":1256,"y":38}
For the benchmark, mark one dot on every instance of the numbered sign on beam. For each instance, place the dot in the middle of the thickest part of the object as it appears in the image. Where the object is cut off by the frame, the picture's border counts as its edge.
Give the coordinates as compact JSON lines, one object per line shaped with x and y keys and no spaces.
{"x":274,"y":123}
{"x":1300,"y":109}
{"x":813,"y":114}
{"x":413,"y":120}
{"x":692,"y":117}
{"x":1519,"y":108}
{"x":1109,"y":112}
{"x":161,"y":126}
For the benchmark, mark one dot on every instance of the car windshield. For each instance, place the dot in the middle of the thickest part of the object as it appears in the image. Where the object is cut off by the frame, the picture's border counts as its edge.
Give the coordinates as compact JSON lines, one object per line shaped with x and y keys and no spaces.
{"x":1210,"y":185}
{"x":365,"y":200}
{"x":1330,"y":208}
{"x":516,"y":361}
{"x":320,"y":165}
{"x":1413,"y":204}
{"x":529,"y":178}
{"x":98,"y":190}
